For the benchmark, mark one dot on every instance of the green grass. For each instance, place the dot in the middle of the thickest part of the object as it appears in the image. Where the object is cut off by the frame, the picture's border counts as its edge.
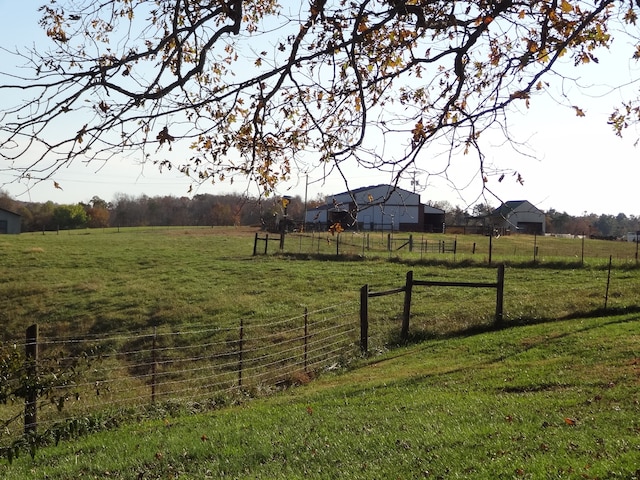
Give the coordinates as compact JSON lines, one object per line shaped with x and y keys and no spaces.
{"x":98,"y":281}
{"x":550,"y":400}
{"x":489,"y":405}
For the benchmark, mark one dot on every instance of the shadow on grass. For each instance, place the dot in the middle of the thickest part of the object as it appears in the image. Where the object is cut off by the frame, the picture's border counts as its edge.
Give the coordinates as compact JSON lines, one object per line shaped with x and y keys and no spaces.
{"x":454,"y":264}
{"x":417,"y":337}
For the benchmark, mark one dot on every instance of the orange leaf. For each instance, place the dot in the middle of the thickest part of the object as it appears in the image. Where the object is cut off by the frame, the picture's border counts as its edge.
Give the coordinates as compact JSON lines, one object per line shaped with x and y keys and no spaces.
{"x":569,"y":421}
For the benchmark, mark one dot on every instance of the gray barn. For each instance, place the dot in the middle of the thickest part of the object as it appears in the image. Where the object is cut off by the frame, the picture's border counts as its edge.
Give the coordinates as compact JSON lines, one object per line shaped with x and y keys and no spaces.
{"x":378,"y":207}
{"x":10,"y":222}
{"x":519,"y":216}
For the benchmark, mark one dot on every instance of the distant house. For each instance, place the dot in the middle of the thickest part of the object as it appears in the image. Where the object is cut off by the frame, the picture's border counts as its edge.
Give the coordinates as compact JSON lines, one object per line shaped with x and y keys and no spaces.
{"x":378,"y":207}
{"x":10,"y":222}
{"x":519,"y":216}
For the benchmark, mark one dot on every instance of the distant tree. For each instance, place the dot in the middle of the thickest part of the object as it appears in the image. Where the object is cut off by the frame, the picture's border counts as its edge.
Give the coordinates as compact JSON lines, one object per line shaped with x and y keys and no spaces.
{"x":557,"y":222}
{"x":263,"y":88}
{"x":97,"y":217}
{"x":129,"y":211}
{"x":6,"y":202}
{"x":70,"y":216}
{"x":482,"y":210}
{"x":37,"y":216}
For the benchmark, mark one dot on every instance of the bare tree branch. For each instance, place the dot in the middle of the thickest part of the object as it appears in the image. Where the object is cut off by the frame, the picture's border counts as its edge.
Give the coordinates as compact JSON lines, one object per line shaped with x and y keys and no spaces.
{"x":256,"y":88}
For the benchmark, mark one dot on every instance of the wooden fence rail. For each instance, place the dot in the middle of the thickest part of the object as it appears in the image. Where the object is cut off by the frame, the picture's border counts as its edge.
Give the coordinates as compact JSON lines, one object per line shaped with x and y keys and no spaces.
{"x":410,"y":282}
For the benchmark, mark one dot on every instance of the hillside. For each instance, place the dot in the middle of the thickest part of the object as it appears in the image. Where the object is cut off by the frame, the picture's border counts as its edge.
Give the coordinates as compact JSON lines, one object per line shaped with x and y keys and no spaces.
{"x":554,"y":399}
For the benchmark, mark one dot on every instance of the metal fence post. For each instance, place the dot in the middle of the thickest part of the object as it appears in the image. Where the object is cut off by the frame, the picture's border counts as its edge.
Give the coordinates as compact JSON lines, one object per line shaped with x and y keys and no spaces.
{"x":154,"y":363}
{"x":31,"y":397}
{"x":364,"y":318}
{"x":240,"y":347}
{"x":306,"y":337}
{"x":500,"y":295}
{"x":404,"y":334}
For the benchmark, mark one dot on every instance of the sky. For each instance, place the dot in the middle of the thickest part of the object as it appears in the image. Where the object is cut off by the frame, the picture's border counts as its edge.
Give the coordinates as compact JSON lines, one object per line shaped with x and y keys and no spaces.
{"x":573,"y":164}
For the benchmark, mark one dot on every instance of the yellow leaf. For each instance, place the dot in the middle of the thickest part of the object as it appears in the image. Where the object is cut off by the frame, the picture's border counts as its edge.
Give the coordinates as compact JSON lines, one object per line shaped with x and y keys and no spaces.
{"x":566,"y":7}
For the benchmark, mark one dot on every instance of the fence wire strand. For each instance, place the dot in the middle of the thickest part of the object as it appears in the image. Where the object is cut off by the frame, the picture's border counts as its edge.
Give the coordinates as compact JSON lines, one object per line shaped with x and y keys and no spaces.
{"x":130,"y":370}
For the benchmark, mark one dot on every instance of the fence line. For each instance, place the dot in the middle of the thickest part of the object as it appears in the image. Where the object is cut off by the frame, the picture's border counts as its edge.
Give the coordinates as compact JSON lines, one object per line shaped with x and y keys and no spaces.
{"x":407,"y":289}
{"x":94,"y":374}
{"x":200,"y":364}
{"x":485,"y":249}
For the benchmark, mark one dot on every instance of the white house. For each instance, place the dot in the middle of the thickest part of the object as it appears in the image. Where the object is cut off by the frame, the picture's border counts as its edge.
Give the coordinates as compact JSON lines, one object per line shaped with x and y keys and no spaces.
{"x":378,"y":207}
{"x":519,"y":216}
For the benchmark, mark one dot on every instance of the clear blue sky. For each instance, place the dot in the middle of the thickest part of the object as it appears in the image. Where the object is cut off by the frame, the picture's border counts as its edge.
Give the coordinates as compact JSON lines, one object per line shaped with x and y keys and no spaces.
{"x":575,"y":164}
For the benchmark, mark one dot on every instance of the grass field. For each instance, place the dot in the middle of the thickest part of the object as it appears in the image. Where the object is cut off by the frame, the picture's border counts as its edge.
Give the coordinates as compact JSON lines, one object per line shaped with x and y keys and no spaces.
{"x":554,"y":394}
{"x":98,"y":281}
{"x":550,"y":400}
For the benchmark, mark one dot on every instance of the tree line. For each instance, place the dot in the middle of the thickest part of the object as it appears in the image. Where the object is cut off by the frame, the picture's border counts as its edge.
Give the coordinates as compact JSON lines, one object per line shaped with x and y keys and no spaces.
{"x":130,"y":211}
{"x":237,"y":209}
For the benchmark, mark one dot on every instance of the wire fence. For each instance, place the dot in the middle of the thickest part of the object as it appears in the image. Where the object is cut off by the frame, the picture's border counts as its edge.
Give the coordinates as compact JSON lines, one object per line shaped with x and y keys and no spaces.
{"x":479,"y":249}
{"x":81,"y":377}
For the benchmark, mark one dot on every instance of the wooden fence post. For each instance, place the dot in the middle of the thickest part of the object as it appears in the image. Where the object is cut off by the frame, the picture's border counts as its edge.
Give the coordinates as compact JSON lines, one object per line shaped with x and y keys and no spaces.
{"x":500,"y":295}
{"x":266,"y":243}
{"x":255,"y":244}
{"x":31,"y":397}
{"x":364,"y":318}
{"x":404,"y":334}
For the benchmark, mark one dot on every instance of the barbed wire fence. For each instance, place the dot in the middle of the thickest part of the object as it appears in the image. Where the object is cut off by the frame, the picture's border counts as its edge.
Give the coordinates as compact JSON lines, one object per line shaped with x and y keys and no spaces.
{"x":67,"y":381}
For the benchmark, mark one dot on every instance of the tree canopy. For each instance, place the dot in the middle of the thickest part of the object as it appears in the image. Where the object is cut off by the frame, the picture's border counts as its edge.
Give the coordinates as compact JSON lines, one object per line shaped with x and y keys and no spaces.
{"x":267,"y":89}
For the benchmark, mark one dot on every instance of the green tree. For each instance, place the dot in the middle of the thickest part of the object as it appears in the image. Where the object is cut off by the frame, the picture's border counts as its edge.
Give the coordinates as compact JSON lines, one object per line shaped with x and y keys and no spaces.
{"x":260,"y":87}
{"x":70,"y":216}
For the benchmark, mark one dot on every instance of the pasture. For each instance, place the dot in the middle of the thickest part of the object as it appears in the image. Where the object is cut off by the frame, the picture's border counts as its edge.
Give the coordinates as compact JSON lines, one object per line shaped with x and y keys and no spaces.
{"x":96,"y":281}
{"x":122,"y":285}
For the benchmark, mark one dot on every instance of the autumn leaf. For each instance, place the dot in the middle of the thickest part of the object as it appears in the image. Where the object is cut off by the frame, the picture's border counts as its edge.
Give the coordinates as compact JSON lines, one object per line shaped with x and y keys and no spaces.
{"x":309,"y":410}
{"x":336,"y":228}
{"x":80,"y":133}
{"x":165,"y":136}
{"x":520,"y":179}
{"x":566,"y":7}
{"x":521,"y":94}
{"x":569,"y":421}
{"x":204,"y":438}
{"x":57,"y":185}
{"x":579,"y":111}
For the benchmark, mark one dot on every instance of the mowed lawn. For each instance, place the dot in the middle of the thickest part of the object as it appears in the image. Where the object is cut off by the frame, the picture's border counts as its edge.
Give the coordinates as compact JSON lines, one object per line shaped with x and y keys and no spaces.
{"x":552,"y":394}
